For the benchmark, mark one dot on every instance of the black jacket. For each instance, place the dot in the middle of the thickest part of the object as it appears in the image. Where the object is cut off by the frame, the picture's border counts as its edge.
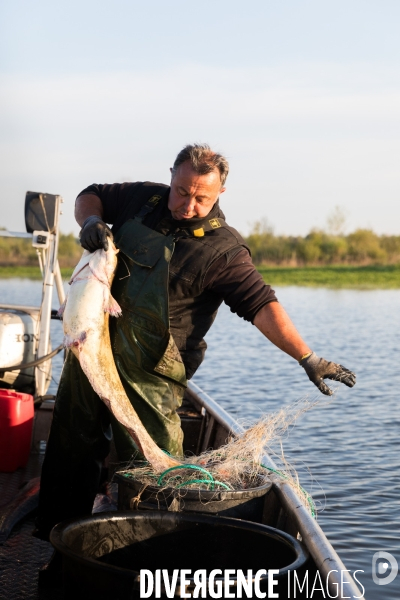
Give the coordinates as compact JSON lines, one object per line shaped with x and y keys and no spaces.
{"x":193,"y":302}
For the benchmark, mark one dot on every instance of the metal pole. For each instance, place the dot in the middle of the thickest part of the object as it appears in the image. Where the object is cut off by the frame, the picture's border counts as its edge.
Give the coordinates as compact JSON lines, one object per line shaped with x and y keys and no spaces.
{"x":45,"y":316}
{"x":59,"y":283}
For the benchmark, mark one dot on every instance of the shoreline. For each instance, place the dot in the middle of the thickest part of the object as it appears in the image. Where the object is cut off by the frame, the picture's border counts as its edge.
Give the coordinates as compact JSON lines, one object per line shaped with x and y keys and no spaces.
{"x":335,"y":276}
{"x":27,"y":272}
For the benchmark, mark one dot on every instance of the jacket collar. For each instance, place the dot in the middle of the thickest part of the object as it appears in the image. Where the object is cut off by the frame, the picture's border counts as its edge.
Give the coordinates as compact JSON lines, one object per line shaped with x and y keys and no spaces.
{"x":198,"y":221}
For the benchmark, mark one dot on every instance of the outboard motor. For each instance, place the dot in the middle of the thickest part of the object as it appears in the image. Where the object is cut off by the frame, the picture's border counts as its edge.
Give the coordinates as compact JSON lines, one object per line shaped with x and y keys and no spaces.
{"x":19,"y":335}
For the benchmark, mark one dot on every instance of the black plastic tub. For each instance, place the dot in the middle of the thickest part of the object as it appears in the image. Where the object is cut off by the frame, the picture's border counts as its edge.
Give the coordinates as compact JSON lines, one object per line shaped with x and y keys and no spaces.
{"x":103,"y":554}
{"x":239,"y":504}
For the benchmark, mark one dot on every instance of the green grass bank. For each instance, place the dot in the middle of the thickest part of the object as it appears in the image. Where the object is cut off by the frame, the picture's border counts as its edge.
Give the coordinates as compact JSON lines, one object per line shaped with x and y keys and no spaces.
{"x":340,"y":276}
{"x":28,"y":272}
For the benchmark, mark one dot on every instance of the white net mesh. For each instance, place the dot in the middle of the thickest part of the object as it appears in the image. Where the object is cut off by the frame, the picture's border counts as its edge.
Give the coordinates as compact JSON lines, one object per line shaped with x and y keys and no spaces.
{"x":238,"y":464}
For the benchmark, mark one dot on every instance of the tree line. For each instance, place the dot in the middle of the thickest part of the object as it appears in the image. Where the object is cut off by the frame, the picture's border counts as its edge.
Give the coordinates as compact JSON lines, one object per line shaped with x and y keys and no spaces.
{"x":319,"y":247}
{"x":19,"y":251}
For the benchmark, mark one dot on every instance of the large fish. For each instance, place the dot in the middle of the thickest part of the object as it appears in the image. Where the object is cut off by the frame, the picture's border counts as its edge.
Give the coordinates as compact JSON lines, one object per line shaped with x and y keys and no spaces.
{"x":85,"y":317}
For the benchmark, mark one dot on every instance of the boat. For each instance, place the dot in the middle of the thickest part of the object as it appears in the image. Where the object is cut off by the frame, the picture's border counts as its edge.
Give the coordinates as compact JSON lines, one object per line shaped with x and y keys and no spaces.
{"x":205,"y":424}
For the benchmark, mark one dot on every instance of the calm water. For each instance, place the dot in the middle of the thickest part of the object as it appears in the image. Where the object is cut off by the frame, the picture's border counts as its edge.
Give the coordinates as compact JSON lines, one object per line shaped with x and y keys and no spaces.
{"x":347,"y":448}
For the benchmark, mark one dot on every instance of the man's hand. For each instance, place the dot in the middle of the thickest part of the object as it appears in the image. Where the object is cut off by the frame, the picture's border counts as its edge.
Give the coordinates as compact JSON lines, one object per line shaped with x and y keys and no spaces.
{"x":94,"y":234}
{"x":319,"y":369}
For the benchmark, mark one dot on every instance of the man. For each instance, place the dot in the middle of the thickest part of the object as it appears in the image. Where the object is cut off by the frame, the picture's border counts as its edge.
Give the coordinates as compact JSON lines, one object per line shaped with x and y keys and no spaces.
{"x":178,"y":261}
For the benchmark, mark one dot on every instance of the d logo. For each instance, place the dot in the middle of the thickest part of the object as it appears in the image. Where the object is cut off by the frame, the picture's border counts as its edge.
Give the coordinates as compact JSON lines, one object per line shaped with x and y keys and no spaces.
{"x":383,"y":567}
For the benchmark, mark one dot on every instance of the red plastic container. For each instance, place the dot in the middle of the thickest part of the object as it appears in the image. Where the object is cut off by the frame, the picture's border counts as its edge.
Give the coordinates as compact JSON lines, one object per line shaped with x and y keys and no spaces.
{"x":16,"y":422}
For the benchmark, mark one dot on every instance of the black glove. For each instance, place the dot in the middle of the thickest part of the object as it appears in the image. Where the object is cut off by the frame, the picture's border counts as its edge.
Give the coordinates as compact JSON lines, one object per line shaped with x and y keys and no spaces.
{"x":94,"y":234}
{"x":319,"y":369}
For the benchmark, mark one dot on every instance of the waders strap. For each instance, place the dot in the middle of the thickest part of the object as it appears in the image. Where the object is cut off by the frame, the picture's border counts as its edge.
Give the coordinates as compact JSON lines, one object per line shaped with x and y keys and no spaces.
{"x":148,"y":207}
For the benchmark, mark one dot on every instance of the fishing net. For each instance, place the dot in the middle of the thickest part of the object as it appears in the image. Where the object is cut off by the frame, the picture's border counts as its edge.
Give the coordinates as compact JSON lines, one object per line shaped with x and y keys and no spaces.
{"x":238,"y":464}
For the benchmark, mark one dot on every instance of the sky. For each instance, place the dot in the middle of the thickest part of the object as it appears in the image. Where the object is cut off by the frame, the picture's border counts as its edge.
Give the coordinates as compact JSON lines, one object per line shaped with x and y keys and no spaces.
{"x":303,"y":97}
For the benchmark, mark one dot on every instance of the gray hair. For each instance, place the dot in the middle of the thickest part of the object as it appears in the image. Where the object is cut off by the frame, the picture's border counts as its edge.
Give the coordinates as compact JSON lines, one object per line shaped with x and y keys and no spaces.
{"x":203,"y":160}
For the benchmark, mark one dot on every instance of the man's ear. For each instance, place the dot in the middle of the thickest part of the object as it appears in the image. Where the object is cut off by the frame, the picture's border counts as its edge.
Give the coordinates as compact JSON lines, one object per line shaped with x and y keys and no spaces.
{"x":222,"y":190}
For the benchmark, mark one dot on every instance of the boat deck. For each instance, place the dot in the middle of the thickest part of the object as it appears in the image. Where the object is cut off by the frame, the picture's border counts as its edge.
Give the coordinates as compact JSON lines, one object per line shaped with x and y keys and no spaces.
{"x":21,"y":555}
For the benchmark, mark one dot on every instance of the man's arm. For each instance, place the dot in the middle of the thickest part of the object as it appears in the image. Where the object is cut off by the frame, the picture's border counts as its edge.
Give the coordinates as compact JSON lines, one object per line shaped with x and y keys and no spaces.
{"x":244,"y":291}
{"x":274,"y":322}
{"x":89,"y":215}
{"x":86,"y":206}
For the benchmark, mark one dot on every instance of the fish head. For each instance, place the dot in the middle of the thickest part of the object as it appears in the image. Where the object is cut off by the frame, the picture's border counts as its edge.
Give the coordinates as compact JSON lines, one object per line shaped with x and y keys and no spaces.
{"x":110,"y":260}
{"x":102,"y":263}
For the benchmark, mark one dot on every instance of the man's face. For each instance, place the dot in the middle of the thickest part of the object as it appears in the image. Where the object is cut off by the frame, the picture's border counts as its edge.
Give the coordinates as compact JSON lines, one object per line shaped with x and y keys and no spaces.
{"x":193,"y":195}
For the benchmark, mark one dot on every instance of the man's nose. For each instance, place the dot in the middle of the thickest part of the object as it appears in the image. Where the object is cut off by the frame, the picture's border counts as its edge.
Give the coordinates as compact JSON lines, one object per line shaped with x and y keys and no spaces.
{"x":190,"y":202}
